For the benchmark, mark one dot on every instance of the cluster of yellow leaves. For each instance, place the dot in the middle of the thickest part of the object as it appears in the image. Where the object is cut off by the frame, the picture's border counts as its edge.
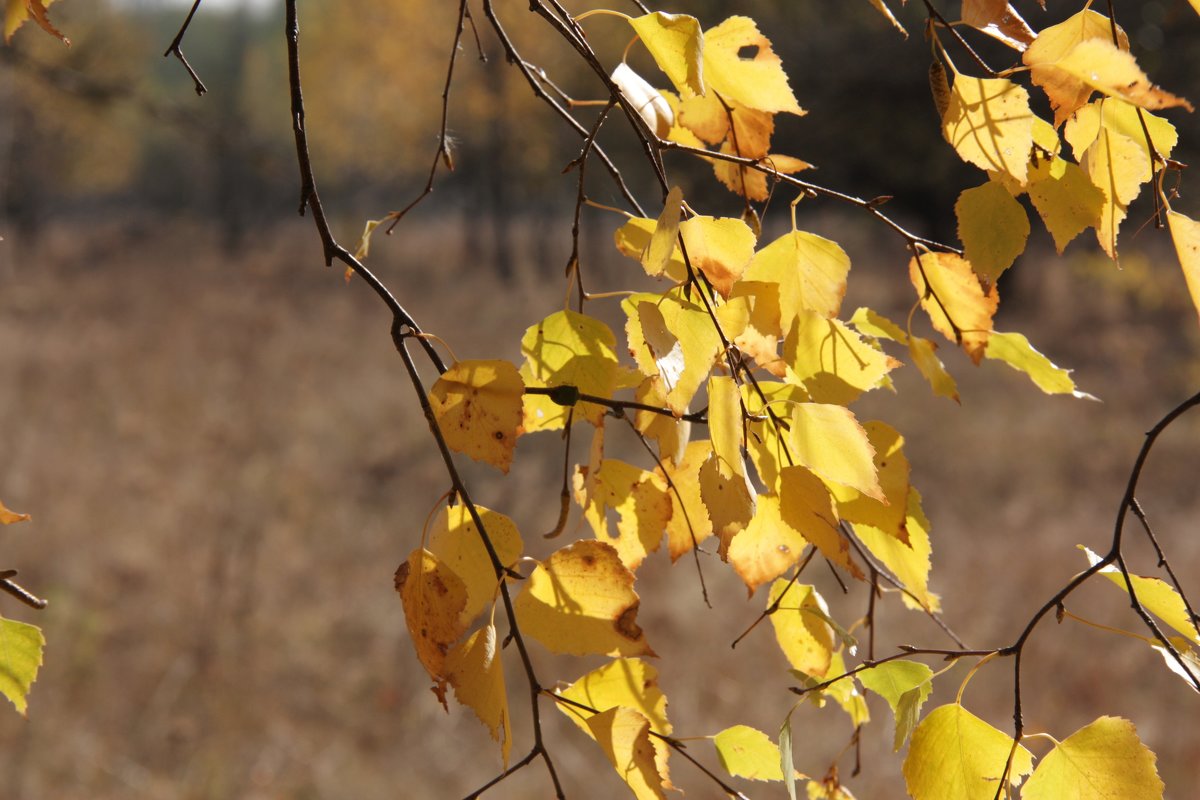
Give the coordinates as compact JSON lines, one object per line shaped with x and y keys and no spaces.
{"x":729,"y":86}
{"x":16,"y":12}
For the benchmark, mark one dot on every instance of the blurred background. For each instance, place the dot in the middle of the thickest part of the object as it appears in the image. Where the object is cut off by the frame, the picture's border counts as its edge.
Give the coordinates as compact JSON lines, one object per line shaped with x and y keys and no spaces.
{"x":225,"y":463}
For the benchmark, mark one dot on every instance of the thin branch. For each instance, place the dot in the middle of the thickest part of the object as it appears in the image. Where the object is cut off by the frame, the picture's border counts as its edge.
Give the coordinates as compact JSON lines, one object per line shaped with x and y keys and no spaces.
{"x":176,"y":49}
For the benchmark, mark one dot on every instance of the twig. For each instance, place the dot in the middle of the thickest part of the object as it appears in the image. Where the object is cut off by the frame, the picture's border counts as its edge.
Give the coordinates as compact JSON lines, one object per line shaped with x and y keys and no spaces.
{"x":176,"y":49}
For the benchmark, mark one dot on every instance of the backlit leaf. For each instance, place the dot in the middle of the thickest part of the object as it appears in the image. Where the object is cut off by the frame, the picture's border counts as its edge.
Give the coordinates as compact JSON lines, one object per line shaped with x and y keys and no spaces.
{"x":1156,"y":596}
{"x":633,"y":240}
{"x":829,"y":441}
{"x":581,"y":601}
{"x":8,"y":516}
{"x":882,"y":8}
{"x":455,"y":542}
{"x":434,"y":598}
{"x":1100,"y":65}
{"x":718,"y":247}
{"x":725,"y":425}
{"x":758,"y":82}
{"x":689,"y":524}
{"x":675,"y":42}
{"x":752,"y":183}
{"x":993,"y":228}
{"x":905,"y":685}
{"x":810,"y":271}
{"x":16,"y":12}
{"x":892,"y":469}
{"x":478,"y":406}
{"x":999,"y":20}
{"x":804,"y":637}
{"x":624,"y":735}
{"x":908,"y":562}
{"x":806,"y":506}
{"x":475,"y":671}
{"x":567,"y":349}
{"x":1065,"y":198}
{"x":21,"y":648}
{"x":731,"y":502}
{"x":1066,"y":91}
{"x":924,"y":355}
{"x":1016,"y":351}
{"x":639,"y":498}
{"x":1185,"y":233}
{"x":657,"y":255}
{"x":767,"y":442}
{"x":747,"y":752}
{"x":1102,"y":761}
{"x":1116,"y":115}
{"x":767,"y":548}
{"x":957,"y":303}
{"x":832,"y":361}
{"x":955,"y":755}
{"x":990,"y":125}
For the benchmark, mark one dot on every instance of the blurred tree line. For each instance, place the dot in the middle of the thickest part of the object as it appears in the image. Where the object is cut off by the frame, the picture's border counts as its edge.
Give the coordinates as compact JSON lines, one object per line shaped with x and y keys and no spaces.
{"x":108,"y":129}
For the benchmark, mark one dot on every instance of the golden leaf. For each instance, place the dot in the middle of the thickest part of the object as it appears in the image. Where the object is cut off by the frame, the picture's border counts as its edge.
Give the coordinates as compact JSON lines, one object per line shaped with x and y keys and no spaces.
{"x":478,"y":406}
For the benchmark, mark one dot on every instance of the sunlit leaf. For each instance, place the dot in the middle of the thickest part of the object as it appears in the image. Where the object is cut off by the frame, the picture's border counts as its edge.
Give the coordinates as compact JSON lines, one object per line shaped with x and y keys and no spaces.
{"x":1016,"y":351}
{"x":832,"y":361}
{"x":908,"y":562}
{"x":905,"y":685}
{"x":1065,"y":198}
{"x":675,"y":42}
{"x":989,"y":123}
{"x":567,"y":349}
{"x":882,"y":8}
{"x":725,"y":425}
{"x":754,"y":184}
{"x":690,"y":524}
{"x":804,"y":637}
{"x":999,"y":20}
{"x":657,"y":255}
{"x":806,"y":506}
{"x":21,"y":648}
{"x":16,"y":12}
{"x":1118,"y":166}
{"x":1100,"y":65}
{"x":993,"y":228}
{"x":924,"y":355}
{"x":718,"y":247}
{"x":640,"y":500}
{"x":1066,"y":91}
{"x":768,"y":439}
{"x":955,"y":755}
{"x":478,"y":406}
{"x":958,"y":305}
{"x":892,"y":469}
{"x":731,"y":501}
{"x":475,"y":671}
{"x":1185,"y":233}
{"x":1101,"y":761}
{"x":747,"y":752}
{"x":455,"y":542}
{"x":758,"y":82}
{"x":581,"y":601}
{"x":434,"y":598}
{"x":8,"y":516}
{"x":633,"y":241}
{"x":1156,"y":596}
{"x":767,"y":548}
{"x":810,"y":271}
{"x":829,"y":441}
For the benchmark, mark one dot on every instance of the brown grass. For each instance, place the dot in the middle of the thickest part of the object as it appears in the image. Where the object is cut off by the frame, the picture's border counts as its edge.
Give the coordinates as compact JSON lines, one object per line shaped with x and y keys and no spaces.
{"x":225,"y":464}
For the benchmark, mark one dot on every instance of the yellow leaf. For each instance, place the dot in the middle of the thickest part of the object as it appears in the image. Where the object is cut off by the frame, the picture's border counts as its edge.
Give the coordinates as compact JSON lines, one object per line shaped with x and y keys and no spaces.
{"x":887,"y":13}
{"x":1100,"y":65}
{"x":829,"y":441}
{"x":725,"y":425}
{"x":670,"y":433}
{"x":434,"y":598}
{"x":831,"y":361}
{"x":893,"y":469}
{"x":1156,"y":596}
{"x":768,"y":444}
{"x":626,"y":683}
{"x":478,"y":406}
{"x":871,"y":323}
{"x":730,"y":502}
{"x":719,"y":247}
{"x":475,"y":671}
{"x":1116,"y":115}
{"x":905,"y":685}
{"x":749,"y":753}
{"x":760,"y":338}
{"x":999,"y":20}
{"x":993,"y":228}
{"x":651,"y":106}
{"x":624,"y":735}
{"x":657,"y":256}
{"x":990,"y":125}
{"x":955,"y":300}
{"x":924,"y":355}
{"x":955,"y":755}
{"x":455,"y":542}
{"x":581,"y":601}
{"x":810,"y":271}
{"x":757,"y":82}
{"x":1103,"y":760}
{"x":689,"y":524}
{"x":803,"y":636}
{"x":567,"y":349}
{"x":1185,"y":233}
{"x":1118,"y":166}
{"x":1066,"y":91}
{"x":675,"y":43}
{"x":752,"y":183}
{"x":845,"y":693}
{"x":1016,"y":351}
{"x":640,"y":499}
{"x":633,"y":240}
{"x":806,"y":506}
{"x":908,"y":562}
{"x":21,"y":649}
{"x":767,"y":548}
{"x":1066,"y":199}
{"x":8,"y":516}
{"x":17,"y":11}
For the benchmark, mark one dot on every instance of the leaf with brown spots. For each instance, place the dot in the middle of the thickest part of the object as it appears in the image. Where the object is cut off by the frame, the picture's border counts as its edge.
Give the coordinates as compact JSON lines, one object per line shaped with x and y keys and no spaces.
{"x":434,"y":599}
{"x":478,"y":407}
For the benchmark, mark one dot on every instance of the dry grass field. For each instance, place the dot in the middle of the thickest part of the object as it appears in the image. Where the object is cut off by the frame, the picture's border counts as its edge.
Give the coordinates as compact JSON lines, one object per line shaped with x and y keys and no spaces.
{"x":225,"y":464}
